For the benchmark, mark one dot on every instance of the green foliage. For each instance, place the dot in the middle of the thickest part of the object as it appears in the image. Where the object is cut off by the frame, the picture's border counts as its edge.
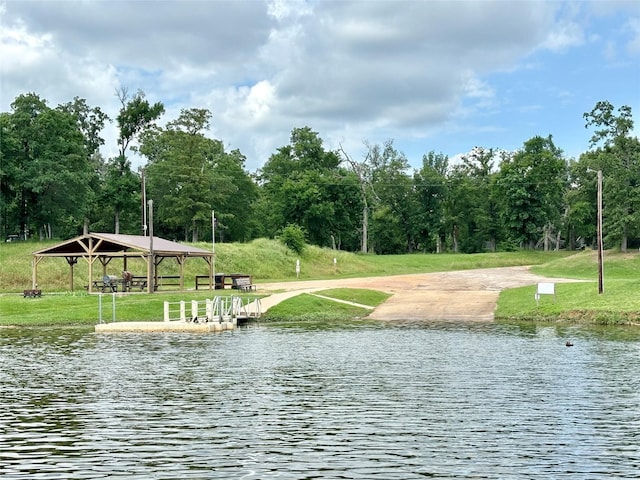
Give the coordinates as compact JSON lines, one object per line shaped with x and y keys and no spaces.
{"x":303,"y":185}
{"x":190,"y":175}
{"x":136,"y":116}
{"x":617,"y":154}
{"x":293,"y":236}
{"x":531,"y":185}
{"x":46,"y":172}
{"x":53,"y":179}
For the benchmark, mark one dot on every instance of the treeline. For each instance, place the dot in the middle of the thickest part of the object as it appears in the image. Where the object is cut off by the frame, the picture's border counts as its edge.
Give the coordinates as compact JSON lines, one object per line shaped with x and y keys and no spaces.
{"x":54,"y":183}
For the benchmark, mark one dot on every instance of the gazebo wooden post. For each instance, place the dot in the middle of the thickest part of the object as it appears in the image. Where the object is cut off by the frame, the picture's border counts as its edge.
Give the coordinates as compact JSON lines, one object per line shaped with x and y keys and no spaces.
{"x":34,"y":272}
{"x":212,"y":279}
{"x":181,"y":261}
{"x":90,"y":282}
{"x":71,"y":261}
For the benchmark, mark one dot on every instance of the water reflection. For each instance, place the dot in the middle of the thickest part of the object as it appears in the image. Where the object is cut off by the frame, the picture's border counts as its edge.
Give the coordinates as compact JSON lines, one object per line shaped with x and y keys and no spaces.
{"x":351,"y":401}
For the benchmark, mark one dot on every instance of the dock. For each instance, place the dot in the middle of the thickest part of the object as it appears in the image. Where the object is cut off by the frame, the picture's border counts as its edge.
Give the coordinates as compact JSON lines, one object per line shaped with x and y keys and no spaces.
{"x":155,"y":327}
{"x":219,"y":314}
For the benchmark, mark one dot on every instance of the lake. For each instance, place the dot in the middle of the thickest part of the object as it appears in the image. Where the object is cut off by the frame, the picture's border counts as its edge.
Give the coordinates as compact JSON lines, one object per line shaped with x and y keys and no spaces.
{"x":336,"y":401}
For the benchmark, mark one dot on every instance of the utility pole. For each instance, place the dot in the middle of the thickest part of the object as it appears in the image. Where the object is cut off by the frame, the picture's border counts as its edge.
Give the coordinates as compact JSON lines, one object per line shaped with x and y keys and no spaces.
{"x":212,"y":282}
{"x":151,"y":275}
{"x":600,"y":257}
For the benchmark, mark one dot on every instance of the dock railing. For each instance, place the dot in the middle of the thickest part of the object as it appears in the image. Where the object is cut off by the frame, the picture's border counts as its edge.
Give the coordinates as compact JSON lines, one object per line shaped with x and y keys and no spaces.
{"x":219,"y":309}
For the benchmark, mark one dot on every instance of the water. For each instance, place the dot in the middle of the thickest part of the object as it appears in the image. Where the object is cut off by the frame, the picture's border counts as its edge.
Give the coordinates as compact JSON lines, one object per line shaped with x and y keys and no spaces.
{"x":339,"y":402}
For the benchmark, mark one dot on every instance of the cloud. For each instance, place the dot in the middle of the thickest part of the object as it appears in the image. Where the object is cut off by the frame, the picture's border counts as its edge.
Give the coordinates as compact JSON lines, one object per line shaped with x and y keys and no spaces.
{"x":633,"y":27}
{"x":351,"y":70}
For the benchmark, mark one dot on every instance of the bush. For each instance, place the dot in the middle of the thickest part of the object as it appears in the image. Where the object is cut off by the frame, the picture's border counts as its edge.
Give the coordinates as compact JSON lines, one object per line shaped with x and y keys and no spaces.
{"x":293,"y":236}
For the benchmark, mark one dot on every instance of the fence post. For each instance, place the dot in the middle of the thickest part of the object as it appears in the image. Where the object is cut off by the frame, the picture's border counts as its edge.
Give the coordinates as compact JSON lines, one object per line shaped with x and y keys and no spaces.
{"x":183,"y":316}
{"x":208,"y":309}
{"x":166,"y":311}
{"x":194,"y":310}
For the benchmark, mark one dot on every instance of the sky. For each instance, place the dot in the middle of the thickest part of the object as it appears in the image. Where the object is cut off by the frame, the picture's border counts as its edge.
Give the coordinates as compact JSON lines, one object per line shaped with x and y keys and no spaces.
{"x":442,"y":76}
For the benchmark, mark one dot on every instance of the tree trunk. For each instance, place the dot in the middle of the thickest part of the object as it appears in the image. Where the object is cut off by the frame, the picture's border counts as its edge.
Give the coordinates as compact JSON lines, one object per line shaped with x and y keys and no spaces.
{"x":117,"y":222}
{"x":365,"y":223}
{"x":455,"y":239}
{"x":546,"y":238}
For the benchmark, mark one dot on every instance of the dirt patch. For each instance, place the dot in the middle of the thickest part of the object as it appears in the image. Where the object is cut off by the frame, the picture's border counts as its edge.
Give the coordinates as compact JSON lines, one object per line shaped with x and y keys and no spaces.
{"x":460,"y":295}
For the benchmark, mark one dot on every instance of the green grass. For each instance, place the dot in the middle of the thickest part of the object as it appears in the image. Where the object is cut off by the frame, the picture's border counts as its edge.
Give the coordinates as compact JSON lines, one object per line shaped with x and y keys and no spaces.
{"x":268,"y":261}
{"x":580,"y":302}
{"x":362,"y":296}
{"x":83,"y":309}
{"x":308,"y":307}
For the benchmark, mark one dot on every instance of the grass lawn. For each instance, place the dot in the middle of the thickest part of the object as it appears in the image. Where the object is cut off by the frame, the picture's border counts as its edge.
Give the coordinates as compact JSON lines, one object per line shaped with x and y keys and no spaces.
{"x":268,"y":261}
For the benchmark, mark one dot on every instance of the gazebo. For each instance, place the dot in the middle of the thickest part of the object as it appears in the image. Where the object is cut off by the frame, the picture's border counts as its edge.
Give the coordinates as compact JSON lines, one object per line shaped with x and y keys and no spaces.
{"x":104,"y":247}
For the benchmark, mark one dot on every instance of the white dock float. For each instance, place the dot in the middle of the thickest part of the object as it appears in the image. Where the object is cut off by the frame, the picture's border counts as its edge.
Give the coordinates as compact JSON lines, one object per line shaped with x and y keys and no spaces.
{"x":216,"y":315}
{"x":164,"y":327}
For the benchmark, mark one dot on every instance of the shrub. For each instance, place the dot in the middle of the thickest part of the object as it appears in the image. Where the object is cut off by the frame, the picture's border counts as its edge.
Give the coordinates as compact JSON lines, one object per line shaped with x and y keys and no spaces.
{"x":293,"y":236}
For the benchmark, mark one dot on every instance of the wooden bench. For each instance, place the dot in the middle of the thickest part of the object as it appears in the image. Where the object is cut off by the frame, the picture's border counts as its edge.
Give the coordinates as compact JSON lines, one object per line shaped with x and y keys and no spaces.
{"x":137,"y":282}
{"x":32,"y":293}
{"x":243,"y":284}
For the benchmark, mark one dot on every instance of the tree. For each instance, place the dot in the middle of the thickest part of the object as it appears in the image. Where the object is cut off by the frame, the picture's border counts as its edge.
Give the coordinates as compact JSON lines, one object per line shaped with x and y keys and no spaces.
{"x":90,"y":122}
{"x":190,"y":175}
{"x":136,"y":116}
{"x":304,"y":186}
{"x":432,"y":190}
{"x":362,"y":172}
{"x":531,"y":184}
{"x":46,"y":172}
{"x":398,"y":202}
{"x":617,"y":154}
{"x":477,"y":224}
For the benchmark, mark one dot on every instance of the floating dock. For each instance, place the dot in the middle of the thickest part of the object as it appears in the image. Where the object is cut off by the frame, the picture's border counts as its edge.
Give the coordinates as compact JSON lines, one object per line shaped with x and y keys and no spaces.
{"x":217,"y":315}
{"x":175,"y":326}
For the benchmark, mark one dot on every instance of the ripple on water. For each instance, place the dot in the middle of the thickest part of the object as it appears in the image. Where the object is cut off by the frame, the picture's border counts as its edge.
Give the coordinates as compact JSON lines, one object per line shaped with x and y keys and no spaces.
{"x":442,"y":400}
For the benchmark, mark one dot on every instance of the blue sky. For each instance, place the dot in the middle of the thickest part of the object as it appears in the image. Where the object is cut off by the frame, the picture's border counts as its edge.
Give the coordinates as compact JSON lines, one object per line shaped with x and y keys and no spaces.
{"x":444,"y":76}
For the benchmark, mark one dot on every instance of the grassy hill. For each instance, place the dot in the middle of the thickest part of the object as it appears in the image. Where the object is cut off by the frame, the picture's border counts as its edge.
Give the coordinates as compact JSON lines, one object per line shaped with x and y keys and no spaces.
{"x":266,"y":260}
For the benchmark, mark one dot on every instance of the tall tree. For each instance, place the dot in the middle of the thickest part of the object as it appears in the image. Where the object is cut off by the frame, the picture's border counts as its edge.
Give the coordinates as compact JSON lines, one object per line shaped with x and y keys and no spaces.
{"x":531,"y":184}
{"x":617,"y":154}
{"x":399,"y":206}
{"x":90,"y":121}
{"x":362,"y":172}
{"x":432,"y":190}
{"x":190,"y":175}
{"x":304,"y":186}
{"x":136,"y":116}
{"x":477,"y":214}
{"x":45,"y":157}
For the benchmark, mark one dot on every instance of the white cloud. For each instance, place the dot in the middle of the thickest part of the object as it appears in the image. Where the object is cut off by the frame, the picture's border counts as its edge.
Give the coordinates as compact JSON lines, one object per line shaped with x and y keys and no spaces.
{"x":564,"y":36}
{"x":350,"y":70}
{"x":633,"y":45}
